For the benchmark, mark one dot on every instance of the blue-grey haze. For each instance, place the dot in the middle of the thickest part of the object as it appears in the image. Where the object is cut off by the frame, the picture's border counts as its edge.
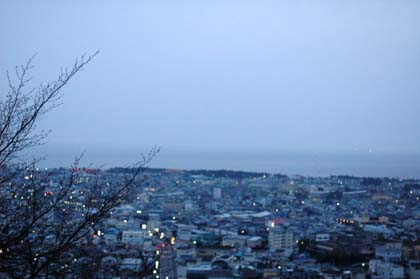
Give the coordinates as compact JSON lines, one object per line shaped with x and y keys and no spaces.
{"x":257,"y":77}
{"x":285,"y":162}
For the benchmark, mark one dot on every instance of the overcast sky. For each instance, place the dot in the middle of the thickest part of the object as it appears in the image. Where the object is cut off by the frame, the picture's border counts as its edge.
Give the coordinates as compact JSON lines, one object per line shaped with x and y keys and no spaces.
{"x":261,"y":75}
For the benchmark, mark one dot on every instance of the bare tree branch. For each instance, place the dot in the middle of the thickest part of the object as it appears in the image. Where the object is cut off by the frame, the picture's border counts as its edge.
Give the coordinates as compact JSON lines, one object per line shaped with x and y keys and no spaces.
{"x":46,"y":216}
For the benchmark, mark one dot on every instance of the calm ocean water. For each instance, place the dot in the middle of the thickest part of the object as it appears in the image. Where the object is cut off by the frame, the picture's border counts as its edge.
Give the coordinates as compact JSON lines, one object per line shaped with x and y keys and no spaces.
{"x":303,"y":163}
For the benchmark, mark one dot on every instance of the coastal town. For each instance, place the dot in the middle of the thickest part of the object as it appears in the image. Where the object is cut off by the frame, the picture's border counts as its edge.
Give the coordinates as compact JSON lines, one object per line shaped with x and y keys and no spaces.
{"x":209,"y":139}
{"x":234,"y":224}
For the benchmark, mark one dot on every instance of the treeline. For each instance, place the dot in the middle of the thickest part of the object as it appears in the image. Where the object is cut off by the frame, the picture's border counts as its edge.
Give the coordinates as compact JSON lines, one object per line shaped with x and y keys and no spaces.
{"x":227,"y":174}
{"x":209,"y":173}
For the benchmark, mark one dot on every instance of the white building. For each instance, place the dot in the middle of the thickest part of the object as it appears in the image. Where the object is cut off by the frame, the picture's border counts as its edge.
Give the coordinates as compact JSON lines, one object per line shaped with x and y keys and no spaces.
{"x":280,"y":238}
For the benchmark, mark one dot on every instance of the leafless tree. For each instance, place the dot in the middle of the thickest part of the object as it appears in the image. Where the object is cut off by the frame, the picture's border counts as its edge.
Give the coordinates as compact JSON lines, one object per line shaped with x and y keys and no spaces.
{"x":46,"y":215}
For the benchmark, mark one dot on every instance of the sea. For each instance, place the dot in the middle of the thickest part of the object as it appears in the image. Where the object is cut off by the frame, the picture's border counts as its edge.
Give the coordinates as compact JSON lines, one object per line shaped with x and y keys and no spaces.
{"x":307,"y":163}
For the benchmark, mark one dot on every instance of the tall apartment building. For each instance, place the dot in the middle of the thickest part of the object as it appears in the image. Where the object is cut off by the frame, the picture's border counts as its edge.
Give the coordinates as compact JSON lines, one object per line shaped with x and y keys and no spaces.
{"x":280,"y":238}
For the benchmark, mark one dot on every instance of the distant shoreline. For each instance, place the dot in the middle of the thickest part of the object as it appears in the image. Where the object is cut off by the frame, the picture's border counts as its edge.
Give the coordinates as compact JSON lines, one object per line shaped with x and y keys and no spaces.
{"x":309,"y":164}
{"x":223,"y":173}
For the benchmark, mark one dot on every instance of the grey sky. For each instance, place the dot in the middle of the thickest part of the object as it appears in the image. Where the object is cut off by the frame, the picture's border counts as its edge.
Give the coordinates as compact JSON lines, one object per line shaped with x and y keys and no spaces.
{"x":269,"y":75}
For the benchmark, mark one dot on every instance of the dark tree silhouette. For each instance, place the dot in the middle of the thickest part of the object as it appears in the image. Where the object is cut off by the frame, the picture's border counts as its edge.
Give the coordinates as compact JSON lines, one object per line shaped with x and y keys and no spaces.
{"x":46,"y":216}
